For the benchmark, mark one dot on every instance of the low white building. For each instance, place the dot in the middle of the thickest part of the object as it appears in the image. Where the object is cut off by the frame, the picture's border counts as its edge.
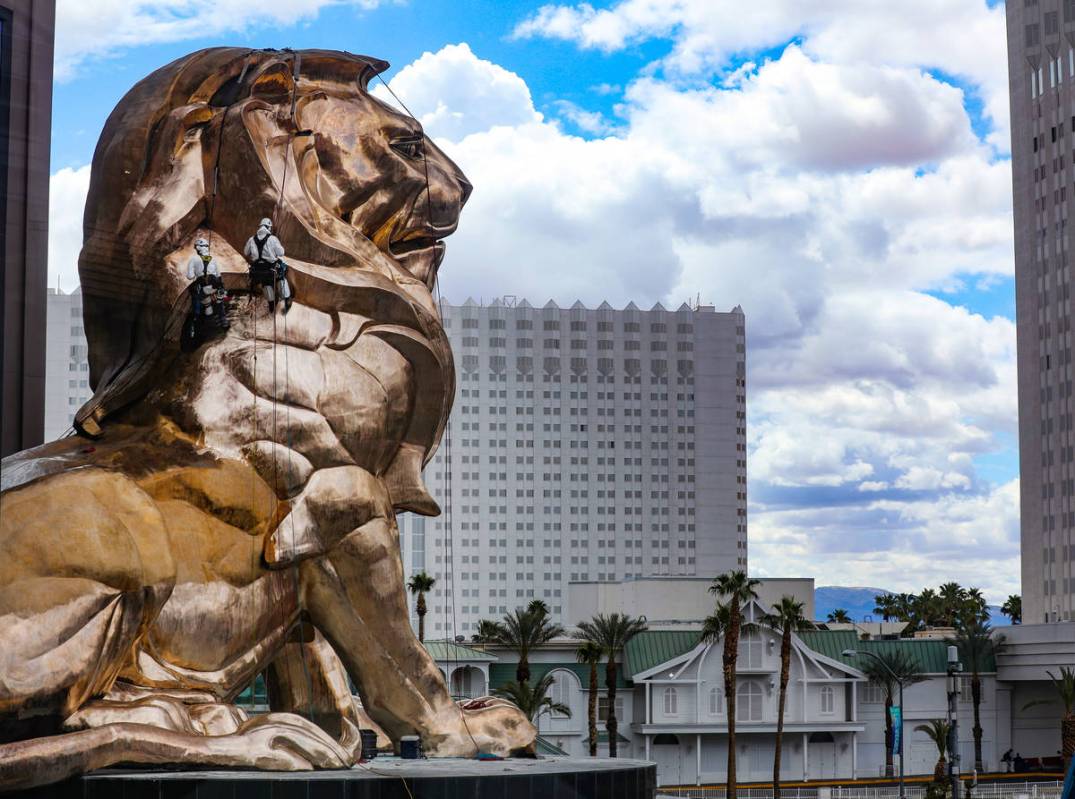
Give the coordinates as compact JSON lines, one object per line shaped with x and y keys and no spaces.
{"x":671,"y":706}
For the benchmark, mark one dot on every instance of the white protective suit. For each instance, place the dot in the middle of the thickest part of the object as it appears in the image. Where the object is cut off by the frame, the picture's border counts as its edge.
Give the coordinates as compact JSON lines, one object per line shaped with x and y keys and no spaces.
{"x":196,"y":268}
{"x":273,"y":252}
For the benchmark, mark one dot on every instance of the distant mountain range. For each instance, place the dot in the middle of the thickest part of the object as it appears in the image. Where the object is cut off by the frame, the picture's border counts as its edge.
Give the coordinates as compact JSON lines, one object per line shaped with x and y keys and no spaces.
{"x":858,"y":602}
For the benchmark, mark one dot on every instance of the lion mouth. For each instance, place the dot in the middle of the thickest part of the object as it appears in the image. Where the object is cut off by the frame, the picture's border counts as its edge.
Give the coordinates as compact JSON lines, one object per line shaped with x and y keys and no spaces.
{"x":421,"y":256}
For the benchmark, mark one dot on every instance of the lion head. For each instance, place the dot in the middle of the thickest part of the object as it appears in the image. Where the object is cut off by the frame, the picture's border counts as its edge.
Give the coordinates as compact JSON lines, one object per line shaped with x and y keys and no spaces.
{"x":222,"y":137}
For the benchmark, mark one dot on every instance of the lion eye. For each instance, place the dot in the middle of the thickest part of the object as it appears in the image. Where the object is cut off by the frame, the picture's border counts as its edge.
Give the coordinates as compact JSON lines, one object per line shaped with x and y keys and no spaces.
{"x":411,"y":147}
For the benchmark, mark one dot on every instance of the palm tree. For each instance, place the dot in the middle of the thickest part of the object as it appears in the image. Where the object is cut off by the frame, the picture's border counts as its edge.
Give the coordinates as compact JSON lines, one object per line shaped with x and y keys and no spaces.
{"x":590,"y":654}
{"x":937,"y":730}
{"x":839,"y":616}
{"x":1065,"y":691}
{"x":892,"y":664}
{"x":734,"y":589}
{"x":611,"y":634}
{"x":952,"y":596}
{"x":522,"y":630}
{"x":786,"y":618}
{"x":887,"y":605}
{"x":534,"y":702}
{"x":1013,"y":608}
{"x":487,"y":632}
{"x":419,"y":584}
{"x":977,"y":648}
{"x":974,"y":609}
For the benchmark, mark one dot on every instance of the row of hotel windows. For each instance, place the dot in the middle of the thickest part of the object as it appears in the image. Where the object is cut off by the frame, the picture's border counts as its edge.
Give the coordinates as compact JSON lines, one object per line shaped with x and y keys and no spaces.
{"x":749,"y":701}
{"x":471,"y":323}
{"x":609,"y":396}
{"x":579,"y":344}
{"x":471,"y":374}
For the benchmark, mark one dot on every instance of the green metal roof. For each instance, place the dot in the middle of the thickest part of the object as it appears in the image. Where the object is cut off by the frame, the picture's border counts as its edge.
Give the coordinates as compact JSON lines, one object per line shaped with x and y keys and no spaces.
{"x":546,"y":747}
{"x":602,"y":738}
{"x":450,"y":651}
{"x":654,"y":647}
{"x":832,"y":643}
{"x":930,"y":657}
{"x":500,"y":673}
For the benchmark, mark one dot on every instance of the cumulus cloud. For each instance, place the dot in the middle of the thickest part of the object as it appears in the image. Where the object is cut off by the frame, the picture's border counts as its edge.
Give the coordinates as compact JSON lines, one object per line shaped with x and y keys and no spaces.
{"x":963,"y":38}
{"x":459,"y":94}
{"x":67,"y":199}
{"x":824,"y":197}
{"x":88,"y":29}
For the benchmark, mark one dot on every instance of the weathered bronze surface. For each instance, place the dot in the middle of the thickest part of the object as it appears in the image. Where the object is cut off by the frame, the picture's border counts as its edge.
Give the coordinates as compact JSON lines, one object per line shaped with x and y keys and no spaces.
{"x":234,"y":510}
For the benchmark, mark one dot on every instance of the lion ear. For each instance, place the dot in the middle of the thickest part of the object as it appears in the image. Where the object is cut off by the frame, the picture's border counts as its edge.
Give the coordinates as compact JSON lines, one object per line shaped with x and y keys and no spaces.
{"x":274,"y":83}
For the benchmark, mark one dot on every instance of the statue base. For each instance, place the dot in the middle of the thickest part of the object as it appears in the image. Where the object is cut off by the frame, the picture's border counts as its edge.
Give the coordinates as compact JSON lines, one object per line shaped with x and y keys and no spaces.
{"x":381,"y":778}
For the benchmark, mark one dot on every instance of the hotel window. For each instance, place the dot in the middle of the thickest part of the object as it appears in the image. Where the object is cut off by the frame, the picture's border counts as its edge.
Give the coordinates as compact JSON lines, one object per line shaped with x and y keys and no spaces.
{"x":750,"y":649}
{"x":671,"y":701}
{"x":872,"y":694}
{"x":828,"y":700}
{"x":716,"y":701}
{"x":748,"y":702}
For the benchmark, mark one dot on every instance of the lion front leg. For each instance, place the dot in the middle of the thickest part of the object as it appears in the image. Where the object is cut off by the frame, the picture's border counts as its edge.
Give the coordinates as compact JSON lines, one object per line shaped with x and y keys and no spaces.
{"x":355,"y":596}
{"x":308,"y":678}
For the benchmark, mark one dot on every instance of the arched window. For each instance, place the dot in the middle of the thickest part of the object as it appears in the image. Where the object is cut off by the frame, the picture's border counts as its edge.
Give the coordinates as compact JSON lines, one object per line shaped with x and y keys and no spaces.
{"x":671,"y":701}
{"x":559,"y":693}
{"x":750,"y":649}
{"x":828,"y":699}
{"x":748,"y":701}
{"x":468,"y":682}
{"x":716,"y":701}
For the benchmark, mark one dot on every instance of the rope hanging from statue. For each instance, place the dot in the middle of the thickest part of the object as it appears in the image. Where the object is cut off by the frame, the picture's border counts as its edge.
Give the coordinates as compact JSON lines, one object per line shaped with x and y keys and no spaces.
{"x":449,"y":544}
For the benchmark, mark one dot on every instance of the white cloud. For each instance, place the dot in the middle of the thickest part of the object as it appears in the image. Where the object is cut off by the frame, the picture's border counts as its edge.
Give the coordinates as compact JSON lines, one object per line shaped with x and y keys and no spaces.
{"x":901,"y":546}
{"x":963,"y":38}
{"x":459,"y":93}
{"x":800,"y":193}
{"x":67,"y":199}
{"x":93,"y":28}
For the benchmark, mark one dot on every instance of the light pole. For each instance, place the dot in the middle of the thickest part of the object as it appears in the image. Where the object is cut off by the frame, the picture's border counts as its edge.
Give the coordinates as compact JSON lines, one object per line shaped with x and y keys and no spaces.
{"x":850,"y":653}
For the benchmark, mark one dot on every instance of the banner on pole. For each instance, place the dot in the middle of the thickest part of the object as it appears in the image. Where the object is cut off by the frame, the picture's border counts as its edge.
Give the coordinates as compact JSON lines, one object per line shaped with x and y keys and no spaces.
{"x":896,"y":714}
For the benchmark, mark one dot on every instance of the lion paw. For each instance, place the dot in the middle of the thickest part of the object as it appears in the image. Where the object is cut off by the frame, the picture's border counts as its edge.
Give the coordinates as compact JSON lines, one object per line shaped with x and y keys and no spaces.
{"x":488,"y":725}
{"x":287,"y":742}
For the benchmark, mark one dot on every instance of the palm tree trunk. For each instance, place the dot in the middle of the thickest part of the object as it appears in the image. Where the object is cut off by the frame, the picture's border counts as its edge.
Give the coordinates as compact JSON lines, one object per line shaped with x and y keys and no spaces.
{"x":592,"y":710}
{"x":785,"y":671}
{"x":613,"y":723}
{"x":731,"y":652}
{"x":976,"y":697}
{"x":889,"y":734}
{"x":522,"y":669}
{"x":940,"y":771}
{"x":421,"y":609}
{"x":1067,"y":738}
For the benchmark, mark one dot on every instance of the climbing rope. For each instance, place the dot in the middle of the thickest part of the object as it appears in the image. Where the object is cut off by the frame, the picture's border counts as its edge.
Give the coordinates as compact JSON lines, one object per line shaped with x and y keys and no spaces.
{"x":448,"y":544}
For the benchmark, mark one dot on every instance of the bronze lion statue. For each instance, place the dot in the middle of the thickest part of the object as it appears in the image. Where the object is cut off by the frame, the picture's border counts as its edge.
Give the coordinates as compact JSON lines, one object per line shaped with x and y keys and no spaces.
{"x":230,"y":510}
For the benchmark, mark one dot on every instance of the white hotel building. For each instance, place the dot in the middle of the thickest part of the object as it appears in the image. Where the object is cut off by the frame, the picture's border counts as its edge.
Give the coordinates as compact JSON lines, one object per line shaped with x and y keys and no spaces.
{"x":585,"y":444}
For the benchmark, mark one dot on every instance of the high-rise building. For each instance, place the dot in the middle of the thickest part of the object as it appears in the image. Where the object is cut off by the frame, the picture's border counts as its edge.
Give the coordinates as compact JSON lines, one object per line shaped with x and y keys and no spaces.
{"x":67,"y":372}
{"x":584,"y":445}
{"x":26,"y":40}
{"x":1041,"y":78}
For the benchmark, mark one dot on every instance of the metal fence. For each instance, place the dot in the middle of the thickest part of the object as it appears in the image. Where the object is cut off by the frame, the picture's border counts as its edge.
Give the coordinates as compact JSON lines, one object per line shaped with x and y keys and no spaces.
{"x":991,"y":790}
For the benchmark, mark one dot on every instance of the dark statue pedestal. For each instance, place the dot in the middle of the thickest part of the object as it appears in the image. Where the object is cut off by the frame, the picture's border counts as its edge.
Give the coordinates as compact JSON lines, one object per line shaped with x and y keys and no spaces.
{"x":382,"y":778}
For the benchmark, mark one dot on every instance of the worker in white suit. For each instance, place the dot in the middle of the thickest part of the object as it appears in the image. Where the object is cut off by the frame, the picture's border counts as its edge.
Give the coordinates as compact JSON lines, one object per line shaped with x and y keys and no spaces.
{"x":265,"y":254}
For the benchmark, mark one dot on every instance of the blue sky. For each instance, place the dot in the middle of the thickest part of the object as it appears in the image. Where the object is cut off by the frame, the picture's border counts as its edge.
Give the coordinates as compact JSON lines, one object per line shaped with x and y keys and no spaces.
{"x":850,"y":190}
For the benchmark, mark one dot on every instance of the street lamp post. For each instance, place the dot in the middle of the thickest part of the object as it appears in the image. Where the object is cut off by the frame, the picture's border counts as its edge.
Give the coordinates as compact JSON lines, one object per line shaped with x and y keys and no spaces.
{"x":855,"y":653}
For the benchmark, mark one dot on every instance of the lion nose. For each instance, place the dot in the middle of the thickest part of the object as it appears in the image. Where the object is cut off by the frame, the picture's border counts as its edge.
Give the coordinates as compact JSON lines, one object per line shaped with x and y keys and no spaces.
{"x":465,"y":188}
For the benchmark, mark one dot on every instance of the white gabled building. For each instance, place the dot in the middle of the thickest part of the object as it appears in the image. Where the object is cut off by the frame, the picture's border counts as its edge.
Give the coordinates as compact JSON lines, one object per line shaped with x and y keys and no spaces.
{"x":682,"y":718}
{"x":671,"y":707}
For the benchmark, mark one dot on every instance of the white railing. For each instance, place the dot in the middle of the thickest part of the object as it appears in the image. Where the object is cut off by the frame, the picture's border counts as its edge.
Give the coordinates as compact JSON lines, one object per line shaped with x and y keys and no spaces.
{"x":991,"y":790}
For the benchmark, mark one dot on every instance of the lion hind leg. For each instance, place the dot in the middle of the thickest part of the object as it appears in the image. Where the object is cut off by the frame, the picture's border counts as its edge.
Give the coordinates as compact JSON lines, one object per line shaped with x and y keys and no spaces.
{"x":272,"y":742}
